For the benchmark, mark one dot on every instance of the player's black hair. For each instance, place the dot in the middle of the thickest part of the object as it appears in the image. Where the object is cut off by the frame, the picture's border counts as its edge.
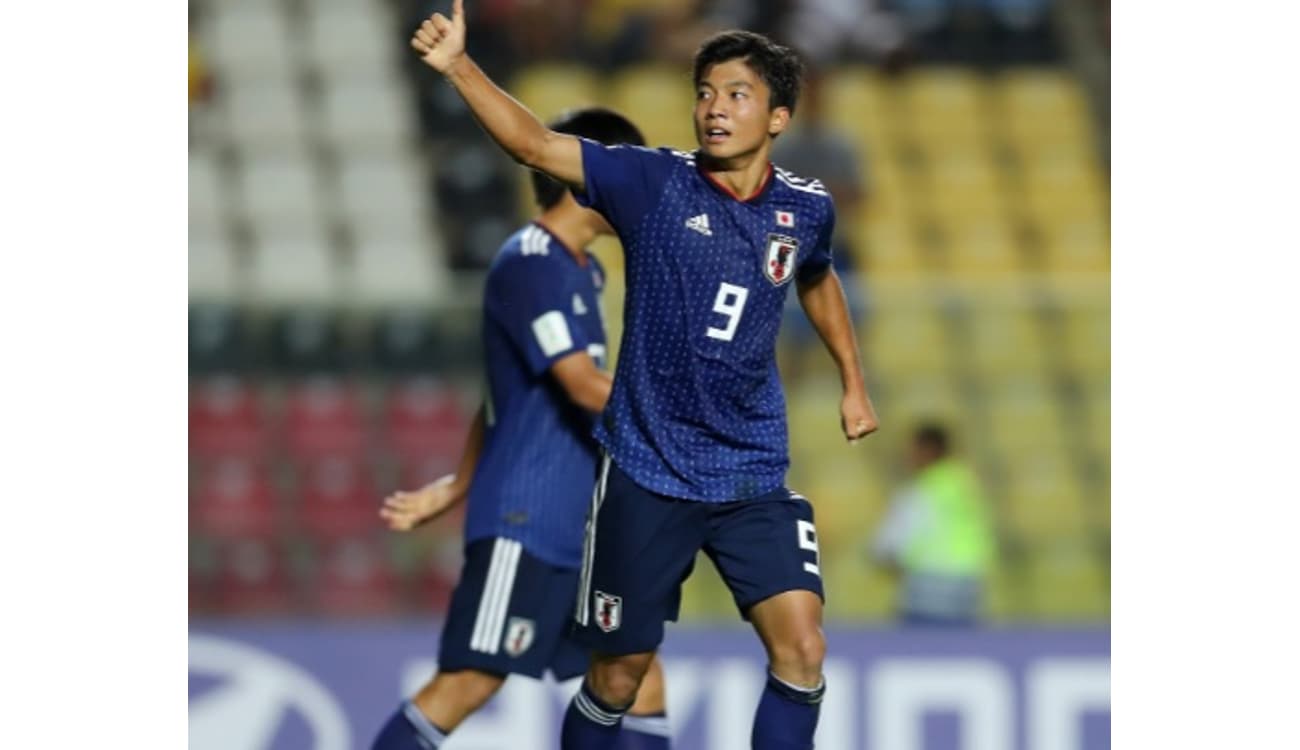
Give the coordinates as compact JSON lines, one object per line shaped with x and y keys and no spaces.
{"x":779,"y":67}
{"x":933,"y":435}
{"x":597,"y":123}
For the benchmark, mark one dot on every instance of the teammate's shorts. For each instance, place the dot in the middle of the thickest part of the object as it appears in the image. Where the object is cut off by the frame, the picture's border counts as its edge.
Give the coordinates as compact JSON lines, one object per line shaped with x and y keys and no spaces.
{"x":641,"y":546}
{"x":511,"y":613}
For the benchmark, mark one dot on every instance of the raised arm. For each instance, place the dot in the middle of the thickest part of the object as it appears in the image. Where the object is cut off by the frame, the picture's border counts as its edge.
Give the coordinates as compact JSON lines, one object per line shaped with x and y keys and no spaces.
{"x":441,"y":44}
{"x":823,"y":300}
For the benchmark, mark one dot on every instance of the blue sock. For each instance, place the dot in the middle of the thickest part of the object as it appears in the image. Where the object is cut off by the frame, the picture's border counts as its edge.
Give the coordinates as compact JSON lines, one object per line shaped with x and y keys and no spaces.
{"x":589,"y":724}
{"x":648,"y":732}
{"x":409,"y":729}
{"x":787,"y":716}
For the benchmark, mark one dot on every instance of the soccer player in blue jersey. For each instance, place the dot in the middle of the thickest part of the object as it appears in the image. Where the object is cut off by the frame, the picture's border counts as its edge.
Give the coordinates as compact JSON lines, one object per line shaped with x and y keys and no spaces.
{"x":694,"y":435}
{"x":527,"y":472}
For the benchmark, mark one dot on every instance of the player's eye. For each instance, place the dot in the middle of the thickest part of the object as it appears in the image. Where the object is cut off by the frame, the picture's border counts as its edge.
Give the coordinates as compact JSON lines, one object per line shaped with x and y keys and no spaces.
{"x":737,"y":95}
{"x":701,"y":95}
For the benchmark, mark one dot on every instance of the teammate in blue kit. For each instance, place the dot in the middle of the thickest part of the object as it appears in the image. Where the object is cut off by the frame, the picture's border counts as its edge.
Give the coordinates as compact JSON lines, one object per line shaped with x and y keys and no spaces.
{"x":695,"y":433}
{"x":527,"y":472}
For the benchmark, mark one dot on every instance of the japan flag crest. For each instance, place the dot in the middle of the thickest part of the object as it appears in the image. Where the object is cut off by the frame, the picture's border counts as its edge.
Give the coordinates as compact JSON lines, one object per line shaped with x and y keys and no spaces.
{"x":778,"y":264}
{"x":785,"y":219}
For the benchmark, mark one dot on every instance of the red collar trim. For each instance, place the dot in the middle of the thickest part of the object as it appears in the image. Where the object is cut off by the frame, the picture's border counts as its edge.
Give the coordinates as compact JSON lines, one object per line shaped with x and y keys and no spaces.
{"x":767,"y":177}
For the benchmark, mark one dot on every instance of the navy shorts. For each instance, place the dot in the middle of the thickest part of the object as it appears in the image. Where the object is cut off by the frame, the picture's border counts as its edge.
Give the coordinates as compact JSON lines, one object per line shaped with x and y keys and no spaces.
{"x":641,"y":546}
{"x":511,"y":613}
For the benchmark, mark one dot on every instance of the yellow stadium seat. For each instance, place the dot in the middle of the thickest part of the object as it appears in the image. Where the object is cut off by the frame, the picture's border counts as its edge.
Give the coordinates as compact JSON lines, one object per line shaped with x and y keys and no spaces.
{"x":1024,"y":412}
{"x":1087,"y":339}
{"x":892,"y":247}
{"x":907,"y":342}
{"x":1096,"y":409}
{"x":919,"y":397}
{"x":1002,"y":594}
{"x":1047,"y":510}
{"x":945,"y":104}
{"x":660,"y":100}
{"x":1067,"y":586}
{"x":964,"y":188}
{"x":549,"y":90}
{"x":857,"y":590}
{"x":858,"y":102}
{"x":1075,"y":246}
{"x":982,"y":247}
{"x":1042,"y":104}
{"x":896,"y":194}
{"x":1062,"y":191}
{"x":1003,"y":341}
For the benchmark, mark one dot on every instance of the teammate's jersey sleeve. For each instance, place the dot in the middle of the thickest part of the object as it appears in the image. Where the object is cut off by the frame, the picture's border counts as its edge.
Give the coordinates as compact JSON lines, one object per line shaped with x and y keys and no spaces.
{"x":537,"y":317}
{"x":623,"y":182}
{"x":819,"y":260}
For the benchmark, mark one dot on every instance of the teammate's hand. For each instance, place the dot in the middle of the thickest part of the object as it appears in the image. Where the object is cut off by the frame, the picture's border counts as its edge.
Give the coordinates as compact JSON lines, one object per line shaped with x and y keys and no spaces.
{"x":440,"y":42}
{"x":857,"y":416}
{"x":404,"y":511}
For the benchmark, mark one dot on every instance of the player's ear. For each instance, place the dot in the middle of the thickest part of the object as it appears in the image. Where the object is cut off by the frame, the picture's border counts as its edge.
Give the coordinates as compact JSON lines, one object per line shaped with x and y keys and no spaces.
{"x":778,"y":121}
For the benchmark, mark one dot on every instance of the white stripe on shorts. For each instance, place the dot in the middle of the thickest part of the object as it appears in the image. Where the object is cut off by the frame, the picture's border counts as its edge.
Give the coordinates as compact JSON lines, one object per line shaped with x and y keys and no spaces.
{"x":589,"y":543}
{"x":495,"y":601}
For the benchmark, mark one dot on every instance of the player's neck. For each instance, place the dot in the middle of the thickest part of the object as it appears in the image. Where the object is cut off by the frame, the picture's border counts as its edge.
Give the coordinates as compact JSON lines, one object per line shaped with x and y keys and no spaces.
{"x":572,"y":228}
{"x":743,"y":176}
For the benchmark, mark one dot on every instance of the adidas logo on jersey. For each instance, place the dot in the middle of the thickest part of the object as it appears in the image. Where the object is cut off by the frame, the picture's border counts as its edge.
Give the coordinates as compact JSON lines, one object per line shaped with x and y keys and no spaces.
{"x":579,"y":307}
{"x":700,"y":224}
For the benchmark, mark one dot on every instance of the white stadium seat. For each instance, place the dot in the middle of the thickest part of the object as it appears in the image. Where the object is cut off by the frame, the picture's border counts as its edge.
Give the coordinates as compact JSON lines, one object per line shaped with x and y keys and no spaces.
{"x":276,"y":190}
{"x":375,"y":114}
{"x":294,"y":274}
{"x":396,"y":274}
{"x":354,"y":39}
{"x":247,"y":42}
{"x":266,"y":117}
{"x":208,"y":193}
{"x":212,"y":270}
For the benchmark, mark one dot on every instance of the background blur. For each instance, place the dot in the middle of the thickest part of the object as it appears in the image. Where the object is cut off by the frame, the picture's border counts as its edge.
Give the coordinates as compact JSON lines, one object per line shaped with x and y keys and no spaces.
{"x":343,"y":205}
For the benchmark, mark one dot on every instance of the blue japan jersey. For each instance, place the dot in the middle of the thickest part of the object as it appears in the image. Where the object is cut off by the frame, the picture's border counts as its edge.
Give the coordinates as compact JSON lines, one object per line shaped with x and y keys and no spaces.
{"x":697,"y":410}
{"x":535,"y":473}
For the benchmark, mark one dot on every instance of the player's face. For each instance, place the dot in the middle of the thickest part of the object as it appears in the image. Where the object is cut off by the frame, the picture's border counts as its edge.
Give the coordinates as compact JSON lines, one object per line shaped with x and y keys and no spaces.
{"x":732,"y":112}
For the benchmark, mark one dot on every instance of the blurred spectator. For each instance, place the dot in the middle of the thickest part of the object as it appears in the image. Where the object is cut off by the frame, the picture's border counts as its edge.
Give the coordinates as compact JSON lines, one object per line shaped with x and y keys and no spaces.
{"x":813,"y":148}
{"x":830,"y":30}
{"x":938,"y":536}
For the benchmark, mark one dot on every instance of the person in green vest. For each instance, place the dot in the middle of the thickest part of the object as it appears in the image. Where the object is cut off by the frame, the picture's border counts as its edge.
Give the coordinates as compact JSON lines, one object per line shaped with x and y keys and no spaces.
{"x":938,"y":536}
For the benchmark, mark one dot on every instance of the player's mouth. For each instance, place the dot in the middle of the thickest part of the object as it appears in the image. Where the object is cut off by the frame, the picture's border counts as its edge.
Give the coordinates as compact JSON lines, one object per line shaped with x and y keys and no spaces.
{"x":716,"y":135}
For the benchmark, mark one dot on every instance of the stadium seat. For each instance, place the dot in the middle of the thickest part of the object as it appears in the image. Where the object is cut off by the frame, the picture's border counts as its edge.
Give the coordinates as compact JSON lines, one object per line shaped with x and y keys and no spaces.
{"x":212,"y":269}
{"x":288,"y":274}
{"x":425,"y":419}
{"x":265,"y":118}
{"x":916,"y":397}
{"x":1004,"y":341}
{"x":1065,"y":191}
{"x":659,"y":99}
{"x":324,"y":418}
{"x":208,"y":191}
{"x":385,"y":187}
{"x":226,"y":419}
{"x":860,"y":103}
{"x":964,"y":189}
{"x":1087,"y":340}
{"x":1047,"y":511}
{"x":234,"y":499}
{"x":1075,"y":246}
{"x":982,"y":248}
{"x":1067,"y":586}
{"x":247,"y":42}
{"x":351,"y":40}
{"x":944,"y":105}
{"x":369,"y":115}
{"x":281,"y":191}
{"x":395,"y":274}
{"x":308,"y":341}
{"x":907,"y":342}
{"x":1024,"y":412}
{"x":1042,"y":105}
{"x":253,"y":578}
{"x":218,"y":340}
{"x":552,"y":89}
{"x":893,"y":247}
{"x":354,"y":577}
{"x":336,"y":498}
{"x":863,"y":591}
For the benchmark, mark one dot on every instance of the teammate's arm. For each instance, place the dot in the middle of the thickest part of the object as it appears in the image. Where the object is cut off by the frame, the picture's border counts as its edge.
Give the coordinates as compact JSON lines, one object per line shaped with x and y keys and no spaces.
{"x":441,"y":44}
{"x":404,"y":511}
{"x":823,"y":301}
{"x":586,"y":384}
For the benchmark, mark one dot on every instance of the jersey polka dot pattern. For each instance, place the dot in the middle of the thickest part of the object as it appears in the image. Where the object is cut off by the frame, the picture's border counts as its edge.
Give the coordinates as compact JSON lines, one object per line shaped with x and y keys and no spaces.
{"x":697,"y":410}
